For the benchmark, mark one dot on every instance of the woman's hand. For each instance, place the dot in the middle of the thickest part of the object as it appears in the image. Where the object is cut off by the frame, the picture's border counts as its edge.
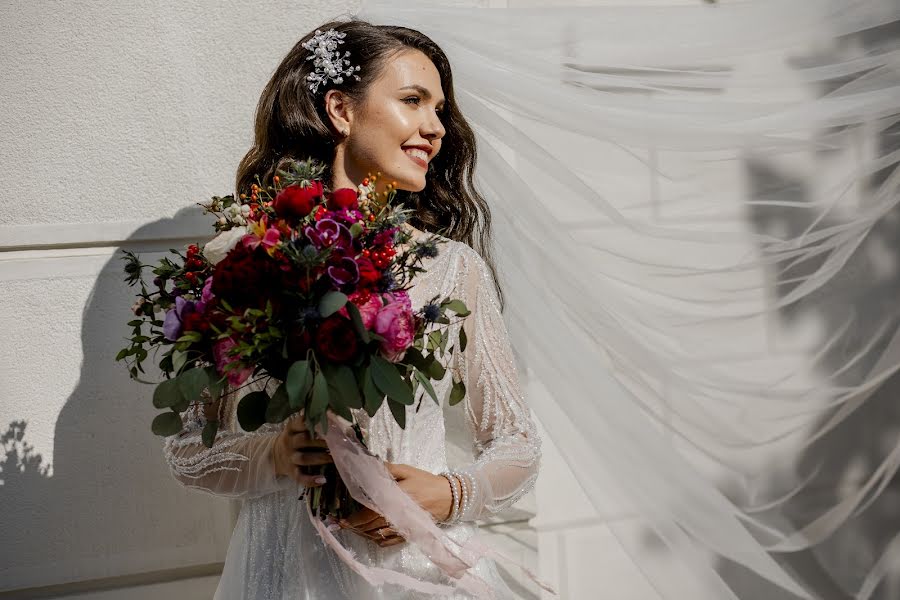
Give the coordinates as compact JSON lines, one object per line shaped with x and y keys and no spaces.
{"x":296,"y":448}
{"x":431,"y":492}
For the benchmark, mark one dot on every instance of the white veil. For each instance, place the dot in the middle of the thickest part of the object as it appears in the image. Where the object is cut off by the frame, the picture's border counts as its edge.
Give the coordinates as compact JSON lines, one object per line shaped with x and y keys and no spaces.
{"x":698,"y":241}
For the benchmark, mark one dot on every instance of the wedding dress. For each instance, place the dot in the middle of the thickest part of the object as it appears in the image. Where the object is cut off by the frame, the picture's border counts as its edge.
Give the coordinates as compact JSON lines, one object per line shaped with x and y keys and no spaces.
{"x":274,"y":551}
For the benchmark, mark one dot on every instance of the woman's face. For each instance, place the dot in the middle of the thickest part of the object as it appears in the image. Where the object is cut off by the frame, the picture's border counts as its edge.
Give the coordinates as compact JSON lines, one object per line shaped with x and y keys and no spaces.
{"x":398,"y":129}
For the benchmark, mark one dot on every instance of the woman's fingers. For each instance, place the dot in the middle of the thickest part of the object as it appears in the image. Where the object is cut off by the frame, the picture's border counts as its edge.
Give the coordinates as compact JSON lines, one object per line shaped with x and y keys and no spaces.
{"x":359,"y":518}
{"x":388,"y":537}
{"x":374,"y":526}
{"x":306,"y":480}
{"x":303,"y":439}
{"x":307,"y":459}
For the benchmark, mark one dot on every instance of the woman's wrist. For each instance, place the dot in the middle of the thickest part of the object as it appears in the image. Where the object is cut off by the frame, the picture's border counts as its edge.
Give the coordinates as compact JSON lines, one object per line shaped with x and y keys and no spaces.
{"x":455,"y":497}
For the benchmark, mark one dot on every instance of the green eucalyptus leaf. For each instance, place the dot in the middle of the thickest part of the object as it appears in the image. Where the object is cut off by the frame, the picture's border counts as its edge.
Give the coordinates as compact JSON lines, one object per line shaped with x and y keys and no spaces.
{"x":389,"y":381}
{"x":209,"y":433}
{"x":399,"y":412}
{"x":361,"y":330}
{"x":299,"y":381}
{"x":457,"y":393}
{"x":434,"y":340}
{"x":192,"y":383}
{"x":167,"y":394}
{"x":216,"y":382}
{"x":459,"y":307}
{"x":178,"y":360}
{"x":320,"y":397}
{"x":122,"y":354}
{"x":463,"y":339}
{"x":435,"y":369}
{"x":166,"y":424}
{"x":331,"y":302}
{"x":427,"y":385}
{"x":413,"y":356}
{"x":373,"y":396}
{"x":251,"y":410}
{"x":190,"y":336}
{"x":343,"y":384}
{"x":279,"y":408}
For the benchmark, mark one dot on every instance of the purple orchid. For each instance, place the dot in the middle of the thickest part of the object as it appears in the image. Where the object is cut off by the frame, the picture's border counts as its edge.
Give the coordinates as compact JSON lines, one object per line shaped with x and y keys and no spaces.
{"x":175,"y":318}
{"x":346,"y":271}
{"x":329,"y":233}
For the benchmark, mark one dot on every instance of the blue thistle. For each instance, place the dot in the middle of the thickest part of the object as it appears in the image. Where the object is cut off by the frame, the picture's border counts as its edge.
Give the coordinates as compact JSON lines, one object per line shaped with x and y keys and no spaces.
{"x":431,"y":312}
{"x":427,"y":250}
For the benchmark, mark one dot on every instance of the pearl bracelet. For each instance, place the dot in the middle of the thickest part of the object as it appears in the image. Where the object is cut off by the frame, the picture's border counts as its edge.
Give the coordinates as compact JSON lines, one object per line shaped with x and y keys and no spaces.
{"x":454,"y":504}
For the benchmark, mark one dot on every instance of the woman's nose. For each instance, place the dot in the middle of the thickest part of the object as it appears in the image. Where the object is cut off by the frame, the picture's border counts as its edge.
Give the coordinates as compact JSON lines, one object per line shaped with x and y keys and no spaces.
{"x":433,"y":129}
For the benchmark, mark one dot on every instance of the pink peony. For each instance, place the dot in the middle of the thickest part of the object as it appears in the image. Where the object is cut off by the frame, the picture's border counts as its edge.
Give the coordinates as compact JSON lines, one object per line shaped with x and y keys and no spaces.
{"x":367,"y":310}
{"x":220,"y":352}
{"x":400,"y":296}
{"x":395,"y":323}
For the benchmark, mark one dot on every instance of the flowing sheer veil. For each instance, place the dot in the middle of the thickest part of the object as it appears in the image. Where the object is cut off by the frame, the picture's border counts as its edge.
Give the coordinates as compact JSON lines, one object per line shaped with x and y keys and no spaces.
{"x":697,"y":235}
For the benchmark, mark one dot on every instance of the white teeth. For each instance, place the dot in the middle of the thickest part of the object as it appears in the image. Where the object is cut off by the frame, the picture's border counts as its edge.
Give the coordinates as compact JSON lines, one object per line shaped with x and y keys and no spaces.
{"x":417,"y":152}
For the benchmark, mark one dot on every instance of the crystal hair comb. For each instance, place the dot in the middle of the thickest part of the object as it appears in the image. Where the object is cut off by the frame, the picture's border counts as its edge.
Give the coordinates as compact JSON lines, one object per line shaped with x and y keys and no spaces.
{"x":329,"y":64}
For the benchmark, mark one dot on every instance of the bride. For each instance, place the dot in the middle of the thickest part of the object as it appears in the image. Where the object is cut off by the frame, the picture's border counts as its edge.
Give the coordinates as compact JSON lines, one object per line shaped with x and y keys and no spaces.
{"x":387,"y":108}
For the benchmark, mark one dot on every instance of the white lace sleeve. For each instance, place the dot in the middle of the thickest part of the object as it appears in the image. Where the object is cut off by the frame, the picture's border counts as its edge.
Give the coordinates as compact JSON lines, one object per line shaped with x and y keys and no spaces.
{"x":239,"y":464}
{"x":507,"y":446}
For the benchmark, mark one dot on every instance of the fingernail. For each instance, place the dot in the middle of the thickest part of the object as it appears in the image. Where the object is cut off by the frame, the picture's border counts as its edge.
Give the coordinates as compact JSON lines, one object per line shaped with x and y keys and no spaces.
{"x":319,"y":480}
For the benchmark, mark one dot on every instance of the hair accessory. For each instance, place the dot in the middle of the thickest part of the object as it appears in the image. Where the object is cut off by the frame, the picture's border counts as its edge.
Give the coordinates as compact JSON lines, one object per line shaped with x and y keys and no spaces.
{"x":329,"y":64}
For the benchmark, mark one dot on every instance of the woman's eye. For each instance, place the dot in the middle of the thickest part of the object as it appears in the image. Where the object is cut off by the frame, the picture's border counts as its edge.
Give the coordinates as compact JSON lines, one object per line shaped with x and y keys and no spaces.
{"x":442,"y":111}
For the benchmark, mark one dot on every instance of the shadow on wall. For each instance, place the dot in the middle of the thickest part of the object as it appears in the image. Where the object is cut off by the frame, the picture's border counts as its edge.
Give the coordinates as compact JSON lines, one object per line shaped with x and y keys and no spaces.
{"x":837,"y":567}
{"x":110,"y":506}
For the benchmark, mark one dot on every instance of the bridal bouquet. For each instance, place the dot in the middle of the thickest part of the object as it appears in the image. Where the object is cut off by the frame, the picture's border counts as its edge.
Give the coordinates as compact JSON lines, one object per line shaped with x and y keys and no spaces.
{"x":303,"y":285}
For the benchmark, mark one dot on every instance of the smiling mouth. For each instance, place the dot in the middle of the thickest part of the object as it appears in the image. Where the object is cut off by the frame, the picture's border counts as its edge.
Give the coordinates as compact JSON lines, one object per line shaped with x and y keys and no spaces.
{"x":417,"y":156}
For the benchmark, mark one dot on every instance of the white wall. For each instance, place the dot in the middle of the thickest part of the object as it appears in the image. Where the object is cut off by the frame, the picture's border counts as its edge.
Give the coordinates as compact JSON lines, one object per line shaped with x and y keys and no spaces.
{"x":114,"y":119}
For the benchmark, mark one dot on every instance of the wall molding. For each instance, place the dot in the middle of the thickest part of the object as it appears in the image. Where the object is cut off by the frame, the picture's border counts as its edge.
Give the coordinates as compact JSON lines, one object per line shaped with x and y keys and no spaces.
{"x":191,"y":224}
{"x":111,"y":583}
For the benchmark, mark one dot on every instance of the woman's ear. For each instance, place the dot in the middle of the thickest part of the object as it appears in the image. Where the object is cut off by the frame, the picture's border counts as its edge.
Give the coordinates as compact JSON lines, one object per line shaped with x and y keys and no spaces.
{"x":337,"y":105}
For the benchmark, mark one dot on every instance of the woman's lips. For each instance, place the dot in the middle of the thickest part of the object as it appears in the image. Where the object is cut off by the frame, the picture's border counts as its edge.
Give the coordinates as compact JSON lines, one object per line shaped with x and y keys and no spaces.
{"x":419,"y":161}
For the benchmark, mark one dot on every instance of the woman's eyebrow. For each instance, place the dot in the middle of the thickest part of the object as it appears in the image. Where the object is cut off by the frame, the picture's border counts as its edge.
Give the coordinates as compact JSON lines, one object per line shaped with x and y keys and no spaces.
{"x":422,"y":90}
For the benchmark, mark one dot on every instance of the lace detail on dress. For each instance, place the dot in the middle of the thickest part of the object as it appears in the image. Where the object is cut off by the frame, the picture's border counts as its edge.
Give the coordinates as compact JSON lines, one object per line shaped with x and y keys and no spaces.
{"x":239,"y":463}
{"x":506,"y":442}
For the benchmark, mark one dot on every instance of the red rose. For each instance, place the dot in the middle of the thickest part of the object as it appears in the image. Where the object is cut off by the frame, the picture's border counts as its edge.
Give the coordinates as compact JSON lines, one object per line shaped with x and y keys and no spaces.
{"x":343,"y":198}
{"x":296,"y":202}
{"x":368,"y":274}
{"x":195,"y":322}
{"x":336,"y":339}
{"x":299,"y":340}
{"x":245,"y":276}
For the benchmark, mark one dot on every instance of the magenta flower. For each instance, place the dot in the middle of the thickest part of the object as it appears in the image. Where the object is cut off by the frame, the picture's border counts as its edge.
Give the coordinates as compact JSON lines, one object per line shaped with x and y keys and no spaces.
{"x":395,"y":323}
{"x":345,"y":271}
{"x":368,"y":310}
{"x":329,"y":233}
{"x":221,"y":349}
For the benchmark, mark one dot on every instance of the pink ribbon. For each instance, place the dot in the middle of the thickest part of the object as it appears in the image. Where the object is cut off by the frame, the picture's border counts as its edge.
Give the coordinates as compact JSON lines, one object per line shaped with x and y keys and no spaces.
{"x":370,"y":483}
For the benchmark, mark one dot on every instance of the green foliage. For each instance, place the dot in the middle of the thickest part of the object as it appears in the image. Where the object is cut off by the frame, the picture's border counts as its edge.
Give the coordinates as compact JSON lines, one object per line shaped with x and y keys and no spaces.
{"x":279,"y":407}
{"x":426,"y":384}
{"x":331,"y":302}
{"x":251,"y":410}
{"x":389,"y":381}
{"x":192,"y":383}
{"x":457,"y":393}
{"x":167,"y":394}
{"x":166,"y":424}
{"x":373,"y":397}
{"x":298,"y":383}
{"x":209,"y":433}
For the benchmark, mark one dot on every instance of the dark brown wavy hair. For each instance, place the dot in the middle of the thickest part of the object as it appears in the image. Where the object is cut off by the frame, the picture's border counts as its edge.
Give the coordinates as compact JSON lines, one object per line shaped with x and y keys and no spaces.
{"x":291,"y":124}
